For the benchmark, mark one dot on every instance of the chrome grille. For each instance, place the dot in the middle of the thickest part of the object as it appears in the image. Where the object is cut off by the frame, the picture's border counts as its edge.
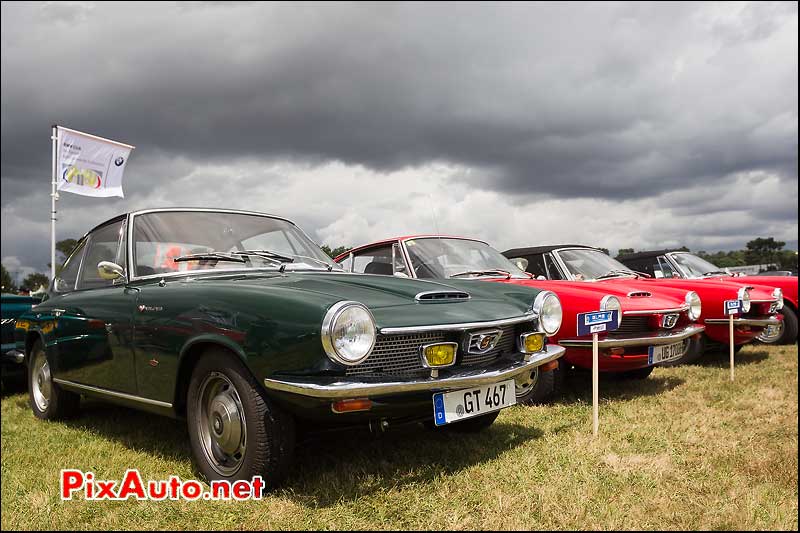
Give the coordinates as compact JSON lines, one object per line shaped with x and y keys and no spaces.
{"x":398,"y":355}
{"x":506,"y":343}
{"x":633,"y":325}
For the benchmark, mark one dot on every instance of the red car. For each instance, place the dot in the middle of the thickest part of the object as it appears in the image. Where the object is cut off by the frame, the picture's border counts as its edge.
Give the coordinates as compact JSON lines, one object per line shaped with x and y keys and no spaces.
{"x":685,"y":265}
{"x":592,"y":266}
{"x":656,"y":326}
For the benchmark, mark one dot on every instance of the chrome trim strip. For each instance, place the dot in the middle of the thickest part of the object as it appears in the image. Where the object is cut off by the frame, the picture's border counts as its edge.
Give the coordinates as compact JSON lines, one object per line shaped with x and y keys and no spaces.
{"x":460,"y":327}
{"x":312,"y":387}
{"x":772,"y":321}
{"x":647,"y":340}
{"x":680,"y":309}
{"x":114,"y":394}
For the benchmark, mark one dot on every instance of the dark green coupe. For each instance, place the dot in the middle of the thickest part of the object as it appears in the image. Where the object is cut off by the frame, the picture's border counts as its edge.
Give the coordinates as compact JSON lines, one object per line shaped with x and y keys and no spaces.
{"x":240,"y":323}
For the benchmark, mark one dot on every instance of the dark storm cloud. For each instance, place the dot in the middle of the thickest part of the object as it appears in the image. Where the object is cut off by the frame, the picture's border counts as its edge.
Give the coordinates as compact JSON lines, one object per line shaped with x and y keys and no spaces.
{"x":607,"y":101}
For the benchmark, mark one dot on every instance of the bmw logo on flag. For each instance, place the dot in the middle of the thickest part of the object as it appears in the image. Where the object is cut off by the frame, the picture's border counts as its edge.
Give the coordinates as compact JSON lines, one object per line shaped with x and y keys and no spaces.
{"x":118,"y":161}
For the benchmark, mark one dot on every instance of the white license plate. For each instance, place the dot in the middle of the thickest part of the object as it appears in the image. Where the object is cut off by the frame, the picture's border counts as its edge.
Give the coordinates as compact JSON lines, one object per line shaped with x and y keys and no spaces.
{"x":462,"y":404}
{"x":668,"y":352}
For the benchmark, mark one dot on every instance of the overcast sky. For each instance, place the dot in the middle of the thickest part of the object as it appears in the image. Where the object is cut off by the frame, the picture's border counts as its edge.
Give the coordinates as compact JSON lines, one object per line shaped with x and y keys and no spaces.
{"x":616,"y":125}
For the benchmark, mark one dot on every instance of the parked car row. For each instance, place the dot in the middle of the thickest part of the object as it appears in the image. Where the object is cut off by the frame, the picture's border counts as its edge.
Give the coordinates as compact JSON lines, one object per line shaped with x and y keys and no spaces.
{"x":240,"y":323}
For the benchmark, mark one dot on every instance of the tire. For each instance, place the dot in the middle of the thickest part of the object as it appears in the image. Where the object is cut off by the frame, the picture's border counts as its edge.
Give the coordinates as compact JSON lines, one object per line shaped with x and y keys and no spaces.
{"x":639,"y":373}
{"x":48,"y":401}
{"x":472,"y":425}
{"x":538,"y":389}
{"x":789,"y":333}
{"x":696,"y":348}
{"x":235,"y":431}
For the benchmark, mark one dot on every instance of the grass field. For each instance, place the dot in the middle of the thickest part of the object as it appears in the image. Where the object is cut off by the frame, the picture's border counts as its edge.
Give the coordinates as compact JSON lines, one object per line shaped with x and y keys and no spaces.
{"x":684,"y":449}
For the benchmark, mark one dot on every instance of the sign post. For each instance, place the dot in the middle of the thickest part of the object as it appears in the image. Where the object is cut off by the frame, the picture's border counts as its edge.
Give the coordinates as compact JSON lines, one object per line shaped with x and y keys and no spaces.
{"x":732,"y":308}
{"x":594,"y":323}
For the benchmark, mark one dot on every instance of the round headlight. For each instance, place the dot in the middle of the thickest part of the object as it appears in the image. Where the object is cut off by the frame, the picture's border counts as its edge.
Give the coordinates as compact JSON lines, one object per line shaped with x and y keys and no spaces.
{"x":547,"y":307}
{"x":744,"y":296}
{"x":611,"y":303}
{"x":695,"y":305}
{"x":348,"y":333}
{"x":778,"y":293}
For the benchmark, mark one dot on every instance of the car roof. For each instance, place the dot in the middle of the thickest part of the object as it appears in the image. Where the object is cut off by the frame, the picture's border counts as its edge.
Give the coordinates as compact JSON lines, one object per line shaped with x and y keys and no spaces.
{"x":647,"y":254}
{"x":533,"y":250}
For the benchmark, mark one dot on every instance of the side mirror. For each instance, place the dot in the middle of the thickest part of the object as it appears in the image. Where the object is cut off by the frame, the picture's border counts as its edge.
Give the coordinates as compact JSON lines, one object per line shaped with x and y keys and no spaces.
{"x":59,"y":285}
{"x":521,"y":263}
{"x":109,"y":270}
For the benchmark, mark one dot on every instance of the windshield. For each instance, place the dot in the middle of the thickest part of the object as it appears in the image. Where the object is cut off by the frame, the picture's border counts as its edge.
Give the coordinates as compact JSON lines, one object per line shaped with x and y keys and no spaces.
{"x":694,"y":267}
{"x":444,"y":258}
{"x":204,"y":240}
{"x":586,"y":264}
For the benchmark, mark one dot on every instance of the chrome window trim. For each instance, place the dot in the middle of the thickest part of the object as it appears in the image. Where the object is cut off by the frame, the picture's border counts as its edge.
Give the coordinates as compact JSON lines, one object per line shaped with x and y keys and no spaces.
{"x":113,"y":394}
{"x":563,"y":272}
{"x":463,"y":326}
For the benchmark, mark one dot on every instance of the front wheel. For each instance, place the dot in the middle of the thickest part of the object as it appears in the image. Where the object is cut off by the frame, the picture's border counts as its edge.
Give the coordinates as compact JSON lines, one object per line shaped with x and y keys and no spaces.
{"x":785,"y":333}
{"x":235,"y":431}
{"x":535,"y":388}
{"x":48,"y":401}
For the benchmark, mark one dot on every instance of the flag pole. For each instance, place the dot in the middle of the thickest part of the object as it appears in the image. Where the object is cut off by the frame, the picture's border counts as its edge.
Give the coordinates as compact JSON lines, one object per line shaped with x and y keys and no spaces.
{"x":53,"y":199}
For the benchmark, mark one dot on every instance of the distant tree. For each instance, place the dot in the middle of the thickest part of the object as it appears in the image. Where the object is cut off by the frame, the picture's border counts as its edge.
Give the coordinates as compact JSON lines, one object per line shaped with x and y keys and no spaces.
{"x":604,"y":250}
{"x":763,"y":250}
{"x":335,"y":252}
{"x":34,"y":281}
{"x":64,"y":247}
{"x":683,"y":249}
{"x":625,"y":251}
{"x":6,"y":282}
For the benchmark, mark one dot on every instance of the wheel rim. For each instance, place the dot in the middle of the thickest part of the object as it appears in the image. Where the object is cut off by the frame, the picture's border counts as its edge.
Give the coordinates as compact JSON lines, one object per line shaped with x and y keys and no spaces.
{"x":771,"y":333}
{"x":221,"y":424}
{"x":526,"y":385}
{"x":41,"y":383}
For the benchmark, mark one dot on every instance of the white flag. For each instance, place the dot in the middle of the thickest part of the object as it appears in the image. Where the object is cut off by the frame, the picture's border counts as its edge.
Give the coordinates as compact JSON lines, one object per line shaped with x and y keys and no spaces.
{"x":90,"y":165}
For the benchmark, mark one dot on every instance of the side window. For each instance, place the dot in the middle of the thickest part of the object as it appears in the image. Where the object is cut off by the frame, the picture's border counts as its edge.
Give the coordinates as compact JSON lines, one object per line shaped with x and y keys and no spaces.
{"x":374,"y":261}
{"x":66,"y":279}
{"x":399,"y":266}
{"x":552,"y":269}
{"x":663,"y":269}
{"x":536,"y":265}
{"x":103,"y":246}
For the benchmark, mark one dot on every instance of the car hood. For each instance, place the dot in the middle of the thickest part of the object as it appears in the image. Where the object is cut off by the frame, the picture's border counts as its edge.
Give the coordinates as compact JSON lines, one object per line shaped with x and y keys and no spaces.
{"x":584,"y":296}
{"x":392,"y":300}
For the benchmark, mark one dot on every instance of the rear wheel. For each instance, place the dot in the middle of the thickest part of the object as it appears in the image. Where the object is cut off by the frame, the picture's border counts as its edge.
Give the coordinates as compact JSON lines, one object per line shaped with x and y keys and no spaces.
{"x":48,"y":401}
{"x":235,"y":431}
{"x":536,"y":388}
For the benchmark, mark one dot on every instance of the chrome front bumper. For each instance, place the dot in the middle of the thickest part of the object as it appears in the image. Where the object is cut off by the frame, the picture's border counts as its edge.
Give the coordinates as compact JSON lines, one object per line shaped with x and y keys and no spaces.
{"x":13,"y":356}
{"x":654,"y":339}
{"x":772,"y":321}
{"x":463,"y":377}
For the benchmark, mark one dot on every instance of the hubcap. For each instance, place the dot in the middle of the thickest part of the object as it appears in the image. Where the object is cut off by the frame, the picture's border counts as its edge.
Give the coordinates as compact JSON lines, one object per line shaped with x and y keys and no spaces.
{"x":771,"y":333}
{"x":221,"y":424}
{"x":525,"y":385}
{"x":41,"y":385}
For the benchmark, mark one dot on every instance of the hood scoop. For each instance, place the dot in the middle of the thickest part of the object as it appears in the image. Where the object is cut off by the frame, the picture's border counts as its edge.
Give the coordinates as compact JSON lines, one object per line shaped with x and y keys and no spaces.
{"x":442,"y":296}
{"x":639,"y":294}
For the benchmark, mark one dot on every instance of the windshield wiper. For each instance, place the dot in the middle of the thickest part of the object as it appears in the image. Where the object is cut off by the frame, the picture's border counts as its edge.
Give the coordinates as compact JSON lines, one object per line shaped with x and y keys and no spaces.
{"x":482,"y":273}
{"x":712,"y":272}
{"x":207,"y":256}
{"x":318,"y":261}
{"x":266,"y":254}
{"x":612,"y":273}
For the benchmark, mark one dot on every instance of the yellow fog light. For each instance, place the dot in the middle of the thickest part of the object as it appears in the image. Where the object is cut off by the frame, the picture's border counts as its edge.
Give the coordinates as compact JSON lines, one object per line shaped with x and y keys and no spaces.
{"x":438,"y":355}
{"x":531,"y":342}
